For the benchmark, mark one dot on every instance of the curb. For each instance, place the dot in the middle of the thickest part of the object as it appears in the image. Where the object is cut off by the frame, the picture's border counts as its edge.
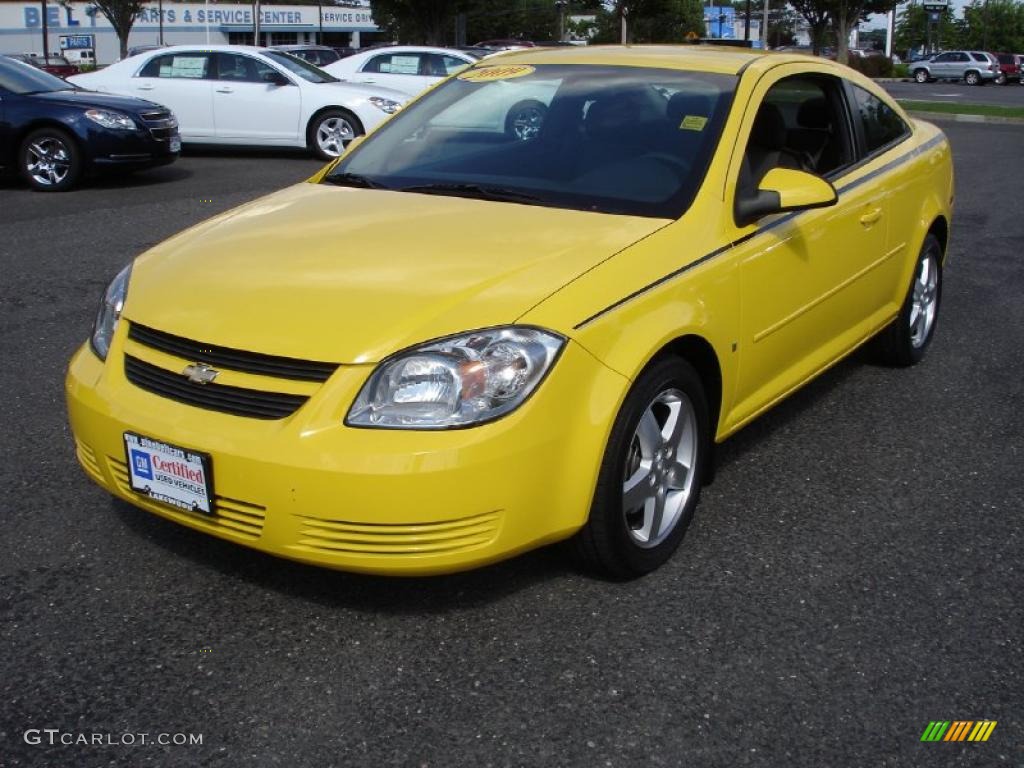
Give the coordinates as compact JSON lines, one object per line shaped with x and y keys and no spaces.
{"x":961,"y":118}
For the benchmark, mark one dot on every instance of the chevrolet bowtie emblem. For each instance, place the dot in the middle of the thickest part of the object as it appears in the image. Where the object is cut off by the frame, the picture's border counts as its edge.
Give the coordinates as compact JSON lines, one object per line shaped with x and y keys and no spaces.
{"x":200,"y":373}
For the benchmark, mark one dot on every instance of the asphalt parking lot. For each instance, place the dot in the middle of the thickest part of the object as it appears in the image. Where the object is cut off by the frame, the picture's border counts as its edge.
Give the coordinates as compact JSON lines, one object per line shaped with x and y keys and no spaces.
{"x":854,"y":572}
{"x":1009,"y":95}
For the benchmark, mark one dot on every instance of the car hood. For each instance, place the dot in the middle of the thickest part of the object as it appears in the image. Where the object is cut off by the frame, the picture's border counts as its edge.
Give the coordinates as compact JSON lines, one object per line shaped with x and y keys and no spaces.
{"x":92,"y":99}
{"x":365,"y":91}
{"x":351,"y":275}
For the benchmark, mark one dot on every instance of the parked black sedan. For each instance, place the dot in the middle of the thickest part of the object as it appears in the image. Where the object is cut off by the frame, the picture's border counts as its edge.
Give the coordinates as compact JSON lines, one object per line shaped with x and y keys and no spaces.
{"x":53,"y":133}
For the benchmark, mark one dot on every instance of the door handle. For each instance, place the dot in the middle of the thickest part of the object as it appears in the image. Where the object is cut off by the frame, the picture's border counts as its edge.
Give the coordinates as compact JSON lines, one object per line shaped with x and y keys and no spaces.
{"x":225,"y":89}
{"x":369,"y":80}
{"x":871,"y":217}
{"x":145,"y":87}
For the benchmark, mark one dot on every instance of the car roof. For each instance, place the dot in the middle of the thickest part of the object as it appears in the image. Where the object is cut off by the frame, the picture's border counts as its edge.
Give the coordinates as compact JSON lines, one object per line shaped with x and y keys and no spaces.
{"x":700,"y":58}
{"x":412,"y":49}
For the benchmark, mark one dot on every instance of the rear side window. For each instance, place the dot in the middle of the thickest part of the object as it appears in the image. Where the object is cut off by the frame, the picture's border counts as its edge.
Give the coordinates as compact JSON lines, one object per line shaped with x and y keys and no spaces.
{"x":190,"y":66}
{"x":980,"y":57}
{"x":394,"y":64}
{"x":882,"y":126}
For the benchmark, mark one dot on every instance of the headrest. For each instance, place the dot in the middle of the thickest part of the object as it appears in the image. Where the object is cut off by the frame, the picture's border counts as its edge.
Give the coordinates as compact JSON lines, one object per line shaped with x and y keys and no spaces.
{"x":769,"y":131}
{"x":814,"y":113}
{"x":614,"y":115}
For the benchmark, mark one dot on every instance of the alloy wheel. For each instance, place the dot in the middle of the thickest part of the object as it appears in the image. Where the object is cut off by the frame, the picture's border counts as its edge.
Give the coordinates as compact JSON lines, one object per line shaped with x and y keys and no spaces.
{"x":48,"y":161}
{"x":924,"y":302}
{"x":659,"y":479}
{"x":333,"y":134}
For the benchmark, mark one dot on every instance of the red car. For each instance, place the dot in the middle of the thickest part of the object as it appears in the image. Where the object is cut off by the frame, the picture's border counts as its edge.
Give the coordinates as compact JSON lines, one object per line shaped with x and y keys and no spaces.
{"x":55,"y":65}
{"x":1009,"y":68}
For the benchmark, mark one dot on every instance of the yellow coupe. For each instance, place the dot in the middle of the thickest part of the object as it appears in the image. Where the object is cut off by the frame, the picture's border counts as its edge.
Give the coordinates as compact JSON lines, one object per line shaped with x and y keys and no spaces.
{"x":523,"y":310}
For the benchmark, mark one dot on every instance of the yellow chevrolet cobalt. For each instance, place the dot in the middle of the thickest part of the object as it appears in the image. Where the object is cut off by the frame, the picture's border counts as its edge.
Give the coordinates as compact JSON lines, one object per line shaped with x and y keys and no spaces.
{"x":522,"y":310}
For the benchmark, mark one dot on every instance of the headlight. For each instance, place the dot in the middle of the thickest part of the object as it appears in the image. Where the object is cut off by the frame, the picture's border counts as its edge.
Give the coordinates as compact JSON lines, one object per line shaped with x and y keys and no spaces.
{"x":385,"y":105}
{"x":110,"y":312}
{"x":458,"y":381}
{"x":111,"y":119}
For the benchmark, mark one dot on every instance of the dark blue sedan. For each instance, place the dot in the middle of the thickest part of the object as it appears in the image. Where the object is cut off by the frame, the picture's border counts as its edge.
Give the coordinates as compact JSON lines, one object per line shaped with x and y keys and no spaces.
{"x":53,"y":133}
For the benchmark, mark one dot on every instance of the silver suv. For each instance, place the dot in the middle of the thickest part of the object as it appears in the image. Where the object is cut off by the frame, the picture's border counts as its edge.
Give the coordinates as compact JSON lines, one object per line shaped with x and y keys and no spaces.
{"x":973,"y":67}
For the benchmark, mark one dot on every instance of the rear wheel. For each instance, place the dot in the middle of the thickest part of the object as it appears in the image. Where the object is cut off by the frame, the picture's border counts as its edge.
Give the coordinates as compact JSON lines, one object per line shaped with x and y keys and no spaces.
{"x":49,"y":160}
{"x":972,"y":78}
{"x":330,"y":132}
{"x":650,"y":478}
{"x":906,"y":340}
{"x":525,"y":119}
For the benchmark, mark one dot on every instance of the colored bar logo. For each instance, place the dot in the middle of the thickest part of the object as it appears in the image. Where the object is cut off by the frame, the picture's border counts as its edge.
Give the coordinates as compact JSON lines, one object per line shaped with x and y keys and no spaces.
{"x":958,"y":730}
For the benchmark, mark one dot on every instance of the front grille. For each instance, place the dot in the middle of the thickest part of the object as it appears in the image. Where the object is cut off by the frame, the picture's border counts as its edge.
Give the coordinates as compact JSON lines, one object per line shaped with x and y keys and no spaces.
{"x":241,"y":518}
{"x":340,"y":536}
{"x":234,"y":359}
{"x":161,"y":123}
{"x":216,"y":397}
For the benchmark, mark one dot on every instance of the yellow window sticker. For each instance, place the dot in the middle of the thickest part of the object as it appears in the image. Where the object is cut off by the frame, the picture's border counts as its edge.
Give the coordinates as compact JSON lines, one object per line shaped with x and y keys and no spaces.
{"x":693,"y":123}
{"x":486,"y":74}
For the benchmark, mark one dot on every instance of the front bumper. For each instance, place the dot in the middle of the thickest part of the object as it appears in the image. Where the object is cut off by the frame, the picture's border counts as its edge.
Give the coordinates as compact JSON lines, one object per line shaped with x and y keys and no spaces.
{"x":395,"y":502}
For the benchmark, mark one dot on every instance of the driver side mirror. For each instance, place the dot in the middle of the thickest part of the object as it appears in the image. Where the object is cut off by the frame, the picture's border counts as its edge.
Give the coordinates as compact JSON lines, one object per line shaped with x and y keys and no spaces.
{"x":784,"y":189}
{"x":276,"y":78}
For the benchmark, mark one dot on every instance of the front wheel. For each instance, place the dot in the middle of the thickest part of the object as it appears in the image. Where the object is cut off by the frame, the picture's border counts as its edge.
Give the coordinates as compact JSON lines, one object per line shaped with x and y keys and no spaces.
{"x":49,"y":160}
{"x":650,"y":478}
{"x":921,"y":75}
{"x":525,"y":119}
{"x":904,"y":342}
{"x":1001,"y":79}
{"x":330,"y":132}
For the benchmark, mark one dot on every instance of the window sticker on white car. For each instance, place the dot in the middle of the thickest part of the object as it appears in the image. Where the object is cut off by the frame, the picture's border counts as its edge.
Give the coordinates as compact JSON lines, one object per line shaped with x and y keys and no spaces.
{"x":401,"y":65}
{"x":184,"y":66}
{"x":486,"y":74}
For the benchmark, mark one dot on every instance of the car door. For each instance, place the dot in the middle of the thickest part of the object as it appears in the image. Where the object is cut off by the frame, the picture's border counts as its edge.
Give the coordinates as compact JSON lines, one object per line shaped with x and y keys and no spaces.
{"x":249,"y":108}
{"x":941,"y":65}
{"x":804,"y":294}
{"x":181,"y":82}
{"x":398,"y":70}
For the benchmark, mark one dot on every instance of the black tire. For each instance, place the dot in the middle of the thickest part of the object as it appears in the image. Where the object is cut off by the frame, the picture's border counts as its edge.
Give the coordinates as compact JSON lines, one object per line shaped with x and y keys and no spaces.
{"x":897,"y":344}
{"x":525,"y":119}
{"x":316,"y":142}
{"x":49,"y":160}
{"x":1000,"y":79}
{"x":608,"y":543}
{"x":972,"y":78}
{"x":921,"y":75}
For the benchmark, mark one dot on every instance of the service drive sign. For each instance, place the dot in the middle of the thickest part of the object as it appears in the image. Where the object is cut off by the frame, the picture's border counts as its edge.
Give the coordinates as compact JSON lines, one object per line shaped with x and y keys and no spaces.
{"x":166,"y":473}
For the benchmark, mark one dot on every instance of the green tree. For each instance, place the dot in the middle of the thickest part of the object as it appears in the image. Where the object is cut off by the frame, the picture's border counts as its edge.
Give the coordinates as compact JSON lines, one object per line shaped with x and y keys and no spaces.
{"x":817,"y":14}
{"x":651,"y":21}
{"x":912,"y":30}
{"x":121,"y":14}
{"x":417,"y":21}
{"x":993,"y":25}
{"x":839,"y":17}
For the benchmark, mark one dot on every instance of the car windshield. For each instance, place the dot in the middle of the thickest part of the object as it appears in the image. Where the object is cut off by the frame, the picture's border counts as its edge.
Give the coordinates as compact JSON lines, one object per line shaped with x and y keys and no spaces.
{"x":20,"y":78}
{"x":300,"y":67}
{"x":624,"y":140}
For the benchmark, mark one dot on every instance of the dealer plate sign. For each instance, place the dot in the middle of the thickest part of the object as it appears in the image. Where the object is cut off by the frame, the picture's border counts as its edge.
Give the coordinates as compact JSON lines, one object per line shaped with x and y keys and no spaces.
{"x":167,"y":473}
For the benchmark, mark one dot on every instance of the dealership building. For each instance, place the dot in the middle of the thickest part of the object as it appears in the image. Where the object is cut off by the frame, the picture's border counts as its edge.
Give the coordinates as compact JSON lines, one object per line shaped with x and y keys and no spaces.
{"x":75,"y":26}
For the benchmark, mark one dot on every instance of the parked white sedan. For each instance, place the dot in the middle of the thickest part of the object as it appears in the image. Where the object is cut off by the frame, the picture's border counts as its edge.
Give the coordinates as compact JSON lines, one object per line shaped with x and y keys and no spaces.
{"x":405,"y":68}
{"x":235,"y":94}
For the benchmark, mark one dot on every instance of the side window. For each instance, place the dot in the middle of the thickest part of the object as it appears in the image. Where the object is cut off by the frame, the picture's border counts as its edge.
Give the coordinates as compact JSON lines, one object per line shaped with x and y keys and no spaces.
{"x":943,"y":58}
{"x":961,"y":57}
{"x":231,"y":66}
{"x":882,"y":126}
{"x":453,"y":65}
{"x":980,"y":57}
{"x":189,"y":66}
{"x":394,"y":64}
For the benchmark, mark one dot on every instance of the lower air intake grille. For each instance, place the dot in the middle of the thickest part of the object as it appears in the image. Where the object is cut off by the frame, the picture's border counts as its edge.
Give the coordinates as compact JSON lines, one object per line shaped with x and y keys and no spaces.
{"x":214,"y":397}
{"x":447,"y":536}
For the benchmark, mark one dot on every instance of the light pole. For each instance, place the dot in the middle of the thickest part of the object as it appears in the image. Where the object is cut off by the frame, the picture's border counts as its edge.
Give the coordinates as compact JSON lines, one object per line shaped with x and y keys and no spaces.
{"x":560,"y":5}
{"x":46,"y":34}
{"x":160,"y":11}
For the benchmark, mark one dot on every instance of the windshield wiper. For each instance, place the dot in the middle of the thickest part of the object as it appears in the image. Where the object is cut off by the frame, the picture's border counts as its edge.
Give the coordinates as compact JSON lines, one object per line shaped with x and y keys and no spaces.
{"x":475,"y":191}
{"x":354,"y":180}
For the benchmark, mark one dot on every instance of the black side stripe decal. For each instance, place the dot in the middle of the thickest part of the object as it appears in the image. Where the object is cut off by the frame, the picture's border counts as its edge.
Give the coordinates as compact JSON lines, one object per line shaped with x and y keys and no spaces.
{"x":761,"y":230}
